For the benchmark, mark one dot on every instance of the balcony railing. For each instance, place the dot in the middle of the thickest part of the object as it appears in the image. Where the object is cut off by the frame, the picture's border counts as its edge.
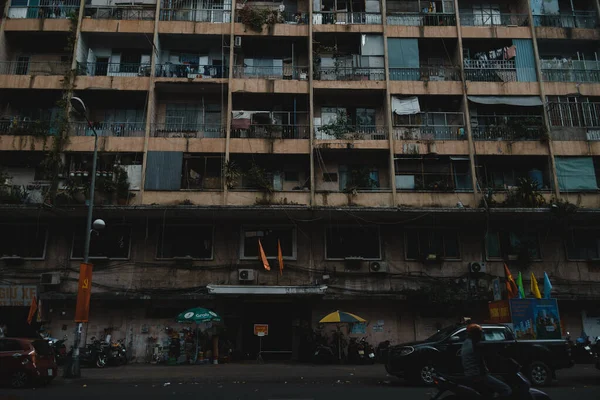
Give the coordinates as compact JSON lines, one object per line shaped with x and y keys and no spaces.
{"x":48,"y":12}
{"x":283,"y":72}
{"x":421,"y":19}
{"x":513,"y":127}
{"x":574,"y":115}
{"x":24,"y":128}
{"x":494,"y":19}
{"x":177,"y":130}
{"x":121,"y":13}
{"x":579,"y":19}
{"x":490,"y":71}
{"x":349,"y":74}
{"x":355,"y":132}
{"x":272,"y":131}
{"x":119,"y":129}
{"x":571,"y":75}
{"x":34,"y":67}
{"x":430,"y":126}
{"x":345,"y":17}
{"x":417,"y":180}
{"x":169,"y":70}
{"x":114,"y":69}
{"x":425,"y":73}
{"x":195,"y":15}
{"x":286,"y":17}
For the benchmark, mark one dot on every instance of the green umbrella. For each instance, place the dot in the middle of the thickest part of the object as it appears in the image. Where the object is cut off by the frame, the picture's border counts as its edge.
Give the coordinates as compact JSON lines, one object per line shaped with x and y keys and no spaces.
{"x":198,"y":315}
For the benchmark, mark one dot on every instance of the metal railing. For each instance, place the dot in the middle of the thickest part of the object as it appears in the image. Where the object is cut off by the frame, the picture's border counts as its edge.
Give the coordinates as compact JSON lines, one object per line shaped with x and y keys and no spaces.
{"x":345,"y":17}
{"x":571,"y":115}
{"x":579,"y":19}
{"x":355,"y":132}
{"x":23,"y":128}
{"x":493,"y":19}
{"x":170,"y":70}
{"x":571,"y":75}
{"x":44,"y":11}
{"x":430,"y":125}
{"x":285,"y":17}
{"x":426,"y":73}
{"x":182,"y":130}
{"x":34,"y":67}
{"x":283,"y":72}
{"x":119,"y":129}
{"x":417,"y":180}
{"x":272,"y":131}
{"x":349,"y":74}
{"x":490,"y":71}
{"x":121,"y":13}
{"x":113,"y":69}
{"x":509,"y":127}
{"x":421,"y":19}
{"x":195,"y":15}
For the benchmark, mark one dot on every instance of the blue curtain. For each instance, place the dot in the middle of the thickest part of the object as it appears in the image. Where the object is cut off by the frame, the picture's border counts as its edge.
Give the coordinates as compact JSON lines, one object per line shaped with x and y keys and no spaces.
{"x":163,"y":170}
{"x":403,"y":56}
{"x":576,"y":173}
{"x":525,"y":60}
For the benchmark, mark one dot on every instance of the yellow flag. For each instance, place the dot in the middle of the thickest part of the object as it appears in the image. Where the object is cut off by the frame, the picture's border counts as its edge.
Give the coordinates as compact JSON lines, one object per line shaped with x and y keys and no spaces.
{"x":280,"y":257}
{"x":263,"y":257}
{"x":534,"y":287}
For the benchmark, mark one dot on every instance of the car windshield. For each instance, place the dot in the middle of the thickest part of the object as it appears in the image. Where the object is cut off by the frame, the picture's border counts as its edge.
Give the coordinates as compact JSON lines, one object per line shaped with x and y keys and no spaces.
{"x":441,"y":334}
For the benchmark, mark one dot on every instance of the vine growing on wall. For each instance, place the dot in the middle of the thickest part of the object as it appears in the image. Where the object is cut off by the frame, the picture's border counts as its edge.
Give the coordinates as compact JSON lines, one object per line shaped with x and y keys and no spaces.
{"x":255,"y":18}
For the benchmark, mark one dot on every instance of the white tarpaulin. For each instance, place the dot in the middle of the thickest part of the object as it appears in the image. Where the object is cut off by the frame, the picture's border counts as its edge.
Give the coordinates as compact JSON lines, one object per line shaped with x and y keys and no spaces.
{"x":405,"y":106}
{"x":524,"y":101}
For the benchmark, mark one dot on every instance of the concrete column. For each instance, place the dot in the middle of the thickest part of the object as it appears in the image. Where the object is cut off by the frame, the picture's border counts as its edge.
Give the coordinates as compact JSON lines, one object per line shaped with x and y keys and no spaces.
{"x":311,"y":105}
{"x":388,"y":107}
{"x":77,"y":33}
{"x":474,"y":180}
{"x":538,"y":71}
{"x":597,"y":4}
{"x":229,"y":95}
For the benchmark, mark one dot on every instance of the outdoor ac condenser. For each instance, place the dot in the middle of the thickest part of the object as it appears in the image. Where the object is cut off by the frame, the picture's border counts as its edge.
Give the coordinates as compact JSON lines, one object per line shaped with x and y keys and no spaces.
{"x":245,"y":275}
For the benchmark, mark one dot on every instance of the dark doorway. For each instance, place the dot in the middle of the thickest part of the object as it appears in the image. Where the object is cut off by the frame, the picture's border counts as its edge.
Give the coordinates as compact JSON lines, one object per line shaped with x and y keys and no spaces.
{"x":101,"y":66}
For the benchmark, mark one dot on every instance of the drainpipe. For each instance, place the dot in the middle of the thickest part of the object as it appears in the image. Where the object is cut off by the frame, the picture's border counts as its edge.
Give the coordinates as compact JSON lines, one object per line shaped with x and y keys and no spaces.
{"x":229,"y":94}
{"x":388,"y":107}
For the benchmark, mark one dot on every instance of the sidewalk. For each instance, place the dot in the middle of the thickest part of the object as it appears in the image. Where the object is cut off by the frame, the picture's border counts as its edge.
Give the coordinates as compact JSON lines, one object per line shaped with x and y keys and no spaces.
{"x":251,"y":372}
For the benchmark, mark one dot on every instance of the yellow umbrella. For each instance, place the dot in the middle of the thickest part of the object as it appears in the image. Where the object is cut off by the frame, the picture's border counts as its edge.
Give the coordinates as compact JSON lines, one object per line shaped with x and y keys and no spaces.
{"x":342,"y":317}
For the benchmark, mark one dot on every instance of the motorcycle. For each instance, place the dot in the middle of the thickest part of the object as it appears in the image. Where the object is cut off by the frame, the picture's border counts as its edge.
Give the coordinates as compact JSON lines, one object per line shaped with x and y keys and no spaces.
{"x":93,"y":354}
{"x":366,"y":352}
{"x":117,"y":353}
{"x":324,"y":355}
{"x":582,"y":351}
{"x":463,"y":388}
{"x":59,"y":348}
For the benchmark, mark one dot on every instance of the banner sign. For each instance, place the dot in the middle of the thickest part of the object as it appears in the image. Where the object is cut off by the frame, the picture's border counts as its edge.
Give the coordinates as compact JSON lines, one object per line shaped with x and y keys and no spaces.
{"x":261,"y":330}
{"x":17,"y":295}
{"x":536,"y":319}
{"x":500,"y":312}
{"x":84,"y":292}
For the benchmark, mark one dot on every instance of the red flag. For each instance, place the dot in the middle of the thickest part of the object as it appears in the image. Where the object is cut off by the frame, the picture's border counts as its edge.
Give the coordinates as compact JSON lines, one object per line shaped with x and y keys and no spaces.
{"x":32,"y":309}
{"x":263,"y":257}
{"x":511,"y":285}
{"x":280,"y":257}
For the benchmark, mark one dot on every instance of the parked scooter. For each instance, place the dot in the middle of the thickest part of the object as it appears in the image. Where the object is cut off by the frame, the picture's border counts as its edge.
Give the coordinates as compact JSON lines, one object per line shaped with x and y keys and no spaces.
{"x":93,"y":354}
{"x":117,"y":354}
{"x":369,"y":351}
{"x":59,"y":348}
{"x":462,"y":388}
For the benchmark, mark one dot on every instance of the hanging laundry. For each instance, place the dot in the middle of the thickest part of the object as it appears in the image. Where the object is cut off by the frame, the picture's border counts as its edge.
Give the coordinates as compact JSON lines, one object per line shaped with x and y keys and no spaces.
{"x":511,"y":52}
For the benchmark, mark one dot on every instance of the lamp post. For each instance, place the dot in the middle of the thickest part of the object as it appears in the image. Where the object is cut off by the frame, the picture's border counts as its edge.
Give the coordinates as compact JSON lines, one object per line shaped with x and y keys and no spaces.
{"x":73,"y":370}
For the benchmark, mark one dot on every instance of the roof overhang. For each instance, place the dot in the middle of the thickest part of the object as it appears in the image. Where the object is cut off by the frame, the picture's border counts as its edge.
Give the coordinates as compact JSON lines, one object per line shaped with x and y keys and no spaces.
{"x":266,"y":290}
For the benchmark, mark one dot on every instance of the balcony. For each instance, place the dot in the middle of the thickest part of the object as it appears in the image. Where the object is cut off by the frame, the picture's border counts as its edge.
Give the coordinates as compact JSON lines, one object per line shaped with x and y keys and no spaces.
{"x":493,"y":19}
{"x":272,"y":131}
{"x":349,"y":74}
{"x":421,"y":19}
{"x":574,"y":121}
{"x":351,"y":132}
{"x":171,"y":70}
{"x":196,"y":15}
{"x":346,"y":18}
{"x":18,"y":127}
{"x":442,"y":174}
{"x":426,"y":73}
{"x":510,"y":128}
{"x":114,"y":69}
{"x":430,"y":126}
{"x":46,"y":68}
{"x":121,"y":12}
{"x":577,"y":19}
{"x":286,"y":72}
{"x":570,"y":71}
{"x":116,"y":129}
{"x":490,"y":71}
{"x":62,"y":11}
{"x":188,"y":131}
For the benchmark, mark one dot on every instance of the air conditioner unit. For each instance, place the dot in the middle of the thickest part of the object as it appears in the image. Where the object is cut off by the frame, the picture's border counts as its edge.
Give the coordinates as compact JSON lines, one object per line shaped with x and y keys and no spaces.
{"x":237,"y":41}
{"x":377,"y":267}
{"x":50,"y":278}
{"x":477,"y":267}
{"x":245,"y":275}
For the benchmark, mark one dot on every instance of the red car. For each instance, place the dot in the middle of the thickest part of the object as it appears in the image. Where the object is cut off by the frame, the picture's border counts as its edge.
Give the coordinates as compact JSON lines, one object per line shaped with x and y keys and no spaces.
{"x":25,"y":361}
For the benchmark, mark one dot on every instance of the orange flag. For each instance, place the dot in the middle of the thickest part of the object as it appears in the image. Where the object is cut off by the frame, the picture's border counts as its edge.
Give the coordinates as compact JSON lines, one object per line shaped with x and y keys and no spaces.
{"x":263,"y":257}
{"x":511,"y":285}
{"x":280,"y":257}
{"x":32,"y":309}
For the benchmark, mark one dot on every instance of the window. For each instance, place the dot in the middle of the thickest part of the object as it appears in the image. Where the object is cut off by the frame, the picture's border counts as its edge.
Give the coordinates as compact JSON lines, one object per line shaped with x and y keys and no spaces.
{"x":130,"y":62}
{"x":461,"y":335}
{"x":511,"y":245}
{"x":195,"y":241}
{"x":22,"y":66}
{"x":201,"y":172}
{"x":583,"y":244}
{"x":430,"y":174}
{"x":114,"y":242}
{"x":330,"y":177}
{"x":23,"y":240}
{"x":344,"y":241}
{"x":292,"y":176}
{"x":268,"y":238}
{"x":494,"y":335}
{"x":432,"y":245}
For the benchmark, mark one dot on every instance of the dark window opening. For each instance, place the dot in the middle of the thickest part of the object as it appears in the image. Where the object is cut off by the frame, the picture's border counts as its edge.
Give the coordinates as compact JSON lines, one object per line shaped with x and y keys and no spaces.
{"x":185,"y":241}
{"x":112,"y":242}
{"x":352,"y":241}
{"x":330,"y":177}
{"x":268,"y":238}
{"x":292,"y":176}
{"x":23,"y":240}
{"x":512,"y":245}
{"x":201,"y":172}
{"x":130,"y":62}
{"x":432,"y":245}
{"x":583,"y":244}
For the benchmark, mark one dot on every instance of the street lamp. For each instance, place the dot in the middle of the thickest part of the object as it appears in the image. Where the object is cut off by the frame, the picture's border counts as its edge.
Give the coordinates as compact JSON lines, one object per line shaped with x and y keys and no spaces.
{"x":73,"y":371}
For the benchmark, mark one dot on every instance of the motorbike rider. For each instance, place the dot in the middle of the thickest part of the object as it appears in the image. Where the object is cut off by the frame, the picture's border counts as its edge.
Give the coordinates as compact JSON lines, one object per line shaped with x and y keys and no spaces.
{"x":474,"y":364}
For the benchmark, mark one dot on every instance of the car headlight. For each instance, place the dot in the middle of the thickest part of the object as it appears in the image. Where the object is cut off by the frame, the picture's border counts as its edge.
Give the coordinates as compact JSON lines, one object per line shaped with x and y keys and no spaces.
{"x":406,"y":350}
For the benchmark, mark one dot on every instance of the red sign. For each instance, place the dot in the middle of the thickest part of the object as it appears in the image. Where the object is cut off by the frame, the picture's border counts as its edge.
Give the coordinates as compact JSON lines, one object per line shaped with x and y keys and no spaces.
{"x":261,"y":330}
{"x":84,"y":292}
{"x":500,"y":312}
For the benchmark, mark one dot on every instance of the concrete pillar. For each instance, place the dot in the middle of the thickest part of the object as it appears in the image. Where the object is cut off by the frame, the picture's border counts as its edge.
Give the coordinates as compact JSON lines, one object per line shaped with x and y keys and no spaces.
{"x":388,"y":107}
{"x":229,"y":94}
{"x":311,"y":105}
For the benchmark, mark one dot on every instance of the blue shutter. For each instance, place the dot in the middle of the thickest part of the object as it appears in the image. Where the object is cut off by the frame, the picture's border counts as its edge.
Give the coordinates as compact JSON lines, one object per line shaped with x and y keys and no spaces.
{"x":163,"y":170}
{"x":403,"y":56}
{"x":576,"y":173}
{"x":525,"y":60}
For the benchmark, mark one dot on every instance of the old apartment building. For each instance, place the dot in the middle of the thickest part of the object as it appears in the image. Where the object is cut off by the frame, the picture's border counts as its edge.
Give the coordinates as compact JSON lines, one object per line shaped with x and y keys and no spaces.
{"x":384,"y":144}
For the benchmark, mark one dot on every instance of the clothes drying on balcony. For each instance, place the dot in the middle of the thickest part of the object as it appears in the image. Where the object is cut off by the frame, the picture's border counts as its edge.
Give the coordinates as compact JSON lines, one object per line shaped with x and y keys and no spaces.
{"x":405,"y":106}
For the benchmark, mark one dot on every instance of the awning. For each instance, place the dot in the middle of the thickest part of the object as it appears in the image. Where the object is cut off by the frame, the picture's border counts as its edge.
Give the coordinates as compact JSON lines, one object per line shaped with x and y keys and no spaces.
{"x":266,"y":290}
{"x":524,"y":101}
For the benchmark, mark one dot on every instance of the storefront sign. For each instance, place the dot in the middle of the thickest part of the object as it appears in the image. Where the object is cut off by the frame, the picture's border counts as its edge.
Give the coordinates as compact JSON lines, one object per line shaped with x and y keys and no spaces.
{"x":261,"y":330}
{"x":500,"y":312}
{"x":17,"y":295}
{"x":535,"y":319}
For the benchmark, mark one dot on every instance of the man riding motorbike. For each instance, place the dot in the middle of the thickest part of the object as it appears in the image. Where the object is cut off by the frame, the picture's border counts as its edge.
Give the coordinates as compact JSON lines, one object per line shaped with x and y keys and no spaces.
{"x":474,"y":365}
